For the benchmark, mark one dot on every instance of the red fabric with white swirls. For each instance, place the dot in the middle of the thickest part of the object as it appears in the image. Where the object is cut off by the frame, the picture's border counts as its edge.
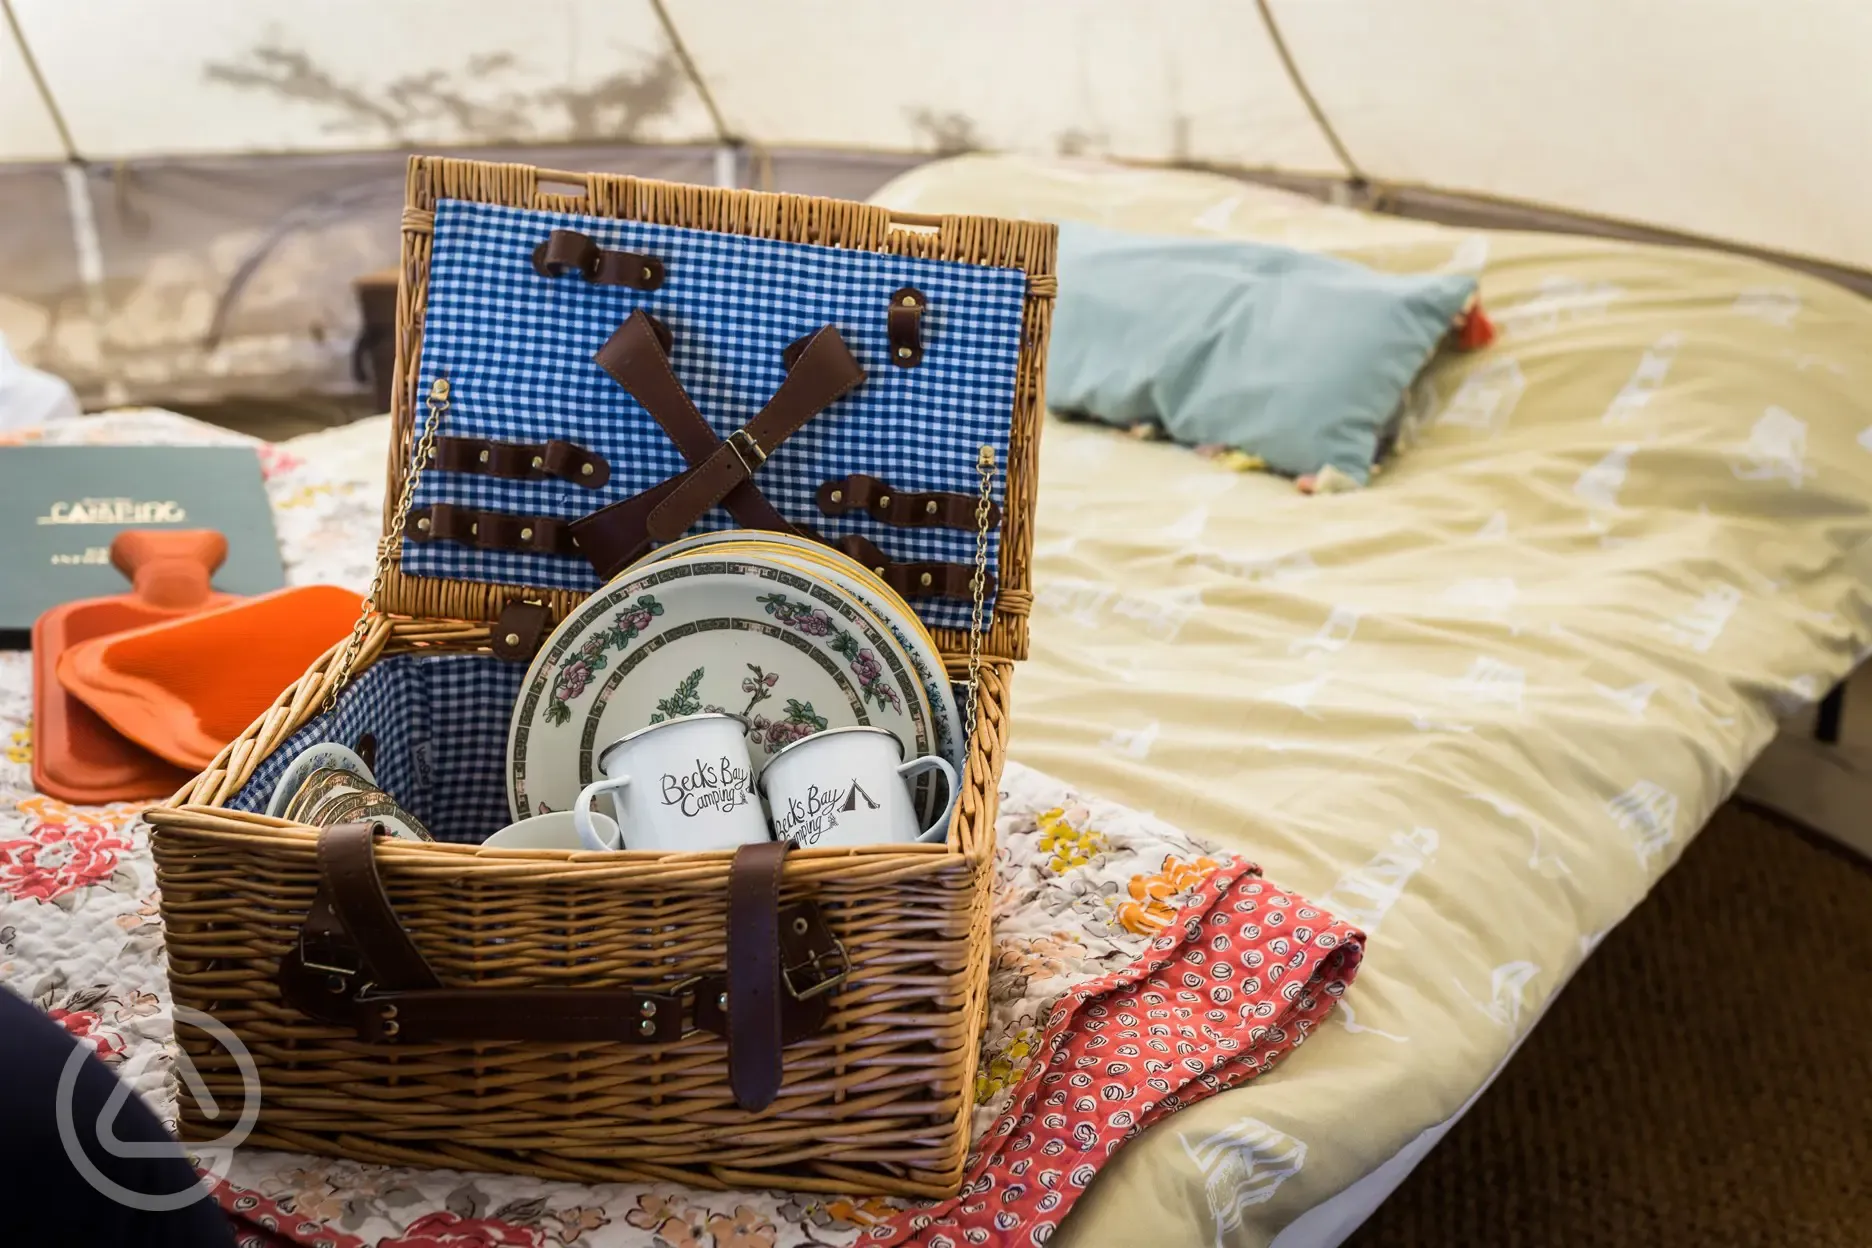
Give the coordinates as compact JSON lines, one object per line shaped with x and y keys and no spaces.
{"x":1235,"y":982}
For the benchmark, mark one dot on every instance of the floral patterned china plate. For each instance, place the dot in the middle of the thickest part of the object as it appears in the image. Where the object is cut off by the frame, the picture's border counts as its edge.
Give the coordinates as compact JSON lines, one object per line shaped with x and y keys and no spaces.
{"x":884,"y":602}
{"x":790,"y":652}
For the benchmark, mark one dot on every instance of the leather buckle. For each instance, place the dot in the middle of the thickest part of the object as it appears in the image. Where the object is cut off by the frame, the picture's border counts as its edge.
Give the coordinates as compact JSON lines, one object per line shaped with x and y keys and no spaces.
{"x":326,"y":948}
{"x":822,"y":986}
{"x":747,"y":450}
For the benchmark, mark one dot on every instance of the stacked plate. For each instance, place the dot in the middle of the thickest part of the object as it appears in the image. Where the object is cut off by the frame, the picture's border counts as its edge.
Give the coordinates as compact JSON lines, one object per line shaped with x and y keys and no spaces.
{"x":791,"y":636}
{"x":328,"y":784}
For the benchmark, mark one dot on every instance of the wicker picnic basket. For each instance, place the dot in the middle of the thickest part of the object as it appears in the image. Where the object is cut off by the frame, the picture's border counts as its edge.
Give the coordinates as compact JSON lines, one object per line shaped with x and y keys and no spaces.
{"x":878,"y":1101}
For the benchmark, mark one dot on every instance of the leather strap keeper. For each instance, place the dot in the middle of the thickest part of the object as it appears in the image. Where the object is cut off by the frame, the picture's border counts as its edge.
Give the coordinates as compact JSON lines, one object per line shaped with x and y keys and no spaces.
{"x":899,"y":508}
{"x":916,"y":580}
{"x":568,"y":251}
{"x":355,"y":965}
{"x":491,"y":530}
{"x":903,"y":325}
{"x":522,"y":461}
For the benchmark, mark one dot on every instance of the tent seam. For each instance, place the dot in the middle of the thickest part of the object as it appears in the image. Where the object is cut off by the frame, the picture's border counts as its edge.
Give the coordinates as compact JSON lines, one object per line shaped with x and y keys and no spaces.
{"x":1300,"y":87}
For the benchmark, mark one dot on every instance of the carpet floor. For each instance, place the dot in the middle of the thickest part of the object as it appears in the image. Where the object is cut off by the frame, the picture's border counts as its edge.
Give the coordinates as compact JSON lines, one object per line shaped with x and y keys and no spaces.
{"x":1706,"y":1079}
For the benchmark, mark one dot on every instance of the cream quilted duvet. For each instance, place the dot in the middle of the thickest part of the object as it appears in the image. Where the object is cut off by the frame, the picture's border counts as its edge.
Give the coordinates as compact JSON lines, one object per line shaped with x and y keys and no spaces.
{"x":1477,"y":708}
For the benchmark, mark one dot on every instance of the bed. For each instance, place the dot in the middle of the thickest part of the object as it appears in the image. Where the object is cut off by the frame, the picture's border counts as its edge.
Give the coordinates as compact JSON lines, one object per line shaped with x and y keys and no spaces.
{"x":1477,"y":708}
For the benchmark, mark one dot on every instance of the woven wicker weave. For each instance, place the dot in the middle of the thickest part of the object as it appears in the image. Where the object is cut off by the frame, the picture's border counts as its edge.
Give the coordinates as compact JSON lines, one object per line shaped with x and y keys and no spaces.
{"x":879,"y":1102}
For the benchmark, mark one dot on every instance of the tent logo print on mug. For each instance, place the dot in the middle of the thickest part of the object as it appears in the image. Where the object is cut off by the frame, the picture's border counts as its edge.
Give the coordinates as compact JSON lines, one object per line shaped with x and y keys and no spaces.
{"x":811,"y":816}
{"x":721,"y":786}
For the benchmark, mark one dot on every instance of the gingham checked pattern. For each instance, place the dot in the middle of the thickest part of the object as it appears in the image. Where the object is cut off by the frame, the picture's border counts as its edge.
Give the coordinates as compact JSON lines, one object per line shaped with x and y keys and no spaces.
{"x":517,"y":349}
{"x":441,"y":728}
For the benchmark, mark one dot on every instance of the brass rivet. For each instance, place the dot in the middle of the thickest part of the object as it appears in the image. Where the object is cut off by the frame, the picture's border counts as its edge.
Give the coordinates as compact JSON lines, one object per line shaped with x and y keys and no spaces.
{"x":526,"y":535}
{"x":721,"y":1002}
{"x":539,"y":461}
{"x":929,"y":508}
{"x":927,"y":580}
{"x":585,"y":470}
{"x":512,"y":639}
{"x":884,"y":500}
{"x":909,"y":301}
{"x":649,"y":274}
{"x":799,"y":927}
{"x":879,"y":570}
{"x":474,"y":530}
{"x":484,"y":457}
{"x":903,"y":353}
{"x":838,"y":496}
{"x":647,"y":1009}
{"x":423,"y":524}
{"x":646,"y":1028}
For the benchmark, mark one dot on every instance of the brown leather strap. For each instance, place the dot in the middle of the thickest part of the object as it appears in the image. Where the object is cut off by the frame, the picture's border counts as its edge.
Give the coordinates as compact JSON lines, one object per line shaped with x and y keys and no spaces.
{"x":900,"y":508}
{"x":916,"y":580}
{"x":824,"y":373}
{"x":754,"y":987}
{"x":560,"y":1015}
{"x":820,"y":369}
{"x":568,"y":251}
{"x":522,"y":626}
{"x":522,"y":461}
{"x":903,"y":325}
{"x":491,"y":530}
{"x":355,"y":965}
{"x":348,"y":872}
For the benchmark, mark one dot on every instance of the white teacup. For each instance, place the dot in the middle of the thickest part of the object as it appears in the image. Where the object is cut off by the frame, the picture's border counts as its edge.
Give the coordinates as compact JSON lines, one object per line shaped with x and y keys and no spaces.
{"x":684,"y":784}
{"x":554,"y":830}
{"x":850,"y":786}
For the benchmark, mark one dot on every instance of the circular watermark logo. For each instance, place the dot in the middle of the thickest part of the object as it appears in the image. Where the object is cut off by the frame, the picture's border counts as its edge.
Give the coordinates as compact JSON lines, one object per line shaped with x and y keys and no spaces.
{"x":212,"y":1158}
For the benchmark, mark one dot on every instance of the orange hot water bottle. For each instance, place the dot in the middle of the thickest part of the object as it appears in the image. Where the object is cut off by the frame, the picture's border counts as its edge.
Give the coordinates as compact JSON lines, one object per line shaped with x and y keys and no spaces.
{"x":77,"y":757}
{"x":183,"y":689}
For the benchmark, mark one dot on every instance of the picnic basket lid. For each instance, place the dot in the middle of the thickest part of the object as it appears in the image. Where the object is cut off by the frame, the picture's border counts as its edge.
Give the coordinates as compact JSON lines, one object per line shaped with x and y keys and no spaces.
{"x":517,"y":351}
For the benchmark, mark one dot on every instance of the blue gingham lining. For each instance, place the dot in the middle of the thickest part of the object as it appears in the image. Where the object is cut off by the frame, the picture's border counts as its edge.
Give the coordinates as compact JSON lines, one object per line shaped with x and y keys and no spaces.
{"x":441,"y":728}
{"x":517,"y":349}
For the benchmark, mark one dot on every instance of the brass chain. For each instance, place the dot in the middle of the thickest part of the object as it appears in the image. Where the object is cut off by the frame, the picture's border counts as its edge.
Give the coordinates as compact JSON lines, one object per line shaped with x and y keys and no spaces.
{"x":978,"y":584}
{"x":438,"y":402}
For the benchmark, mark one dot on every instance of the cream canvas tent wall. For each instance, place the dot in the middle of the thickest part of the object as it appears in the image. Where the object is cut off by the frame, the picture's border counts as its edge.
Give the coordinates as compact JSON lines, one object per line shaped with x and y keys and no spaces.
{"x":188,"y":187}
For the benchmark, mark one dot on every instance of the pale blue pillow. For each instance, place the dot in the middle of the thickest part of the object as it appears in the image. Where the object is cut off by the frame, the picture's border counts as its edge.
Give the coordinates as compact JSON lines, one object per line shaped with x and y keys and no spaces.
{"x":1293,"y":356}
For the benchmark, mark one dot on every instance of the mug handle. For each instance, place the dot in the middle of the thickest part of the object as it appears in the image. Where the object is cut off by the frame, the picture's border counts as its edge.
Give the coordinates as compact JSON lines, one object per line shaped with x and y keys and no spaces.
{"x":581,"y":812}
{"x":939,"y":829}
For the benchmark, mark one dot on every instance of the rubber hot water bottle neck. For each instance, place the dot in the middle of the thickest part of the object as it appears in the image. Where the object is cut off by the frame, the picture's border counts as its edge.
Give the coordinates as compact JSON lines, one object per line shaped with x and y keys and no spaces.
{"x":77,"y":756}
{"x":170,"y":571}
{"x":184,"y":688}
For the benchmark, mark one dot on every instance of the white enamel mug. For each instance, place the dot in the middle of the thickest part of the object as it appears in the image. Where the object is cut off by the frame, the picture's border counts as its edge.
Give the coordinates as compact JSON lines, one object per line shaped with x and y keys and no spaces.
{"x":850,"y":786}
{"x":684,"y":784}
{"x":556,"y":829}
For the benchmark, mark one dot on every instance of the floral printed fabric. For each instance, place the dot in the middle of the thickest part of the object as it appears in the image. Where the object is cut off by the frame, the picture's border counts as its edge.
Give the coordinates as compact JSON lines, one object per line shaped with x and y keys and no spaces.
{"x":1236,"y":980}
{"x":1083,"y":888}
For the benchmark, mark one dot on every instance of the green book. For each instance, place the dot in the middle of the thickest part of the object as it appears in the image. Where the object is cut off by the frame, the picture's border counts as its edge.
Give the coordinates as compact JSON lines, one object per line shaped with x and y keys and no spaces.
{"x":60,"y":506}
